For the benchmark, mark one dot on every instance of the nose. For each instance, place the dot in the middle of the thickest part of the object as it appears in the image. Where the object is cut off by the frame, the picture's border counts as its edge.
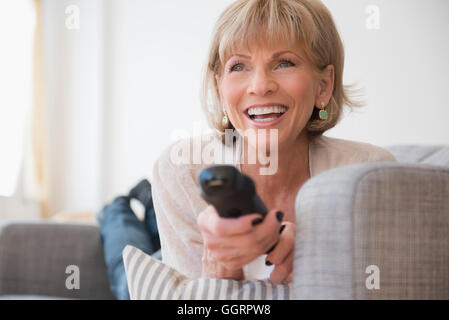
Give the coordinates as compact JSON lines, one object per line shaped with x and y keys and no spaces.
{"x":261,"y":84}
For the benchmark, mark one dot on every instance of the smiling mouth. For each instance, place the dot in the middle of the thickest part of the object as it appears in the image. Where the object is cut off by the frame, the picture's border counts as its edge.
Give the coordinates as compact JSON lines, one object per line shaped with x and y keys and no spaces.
{"x":266,"y":114}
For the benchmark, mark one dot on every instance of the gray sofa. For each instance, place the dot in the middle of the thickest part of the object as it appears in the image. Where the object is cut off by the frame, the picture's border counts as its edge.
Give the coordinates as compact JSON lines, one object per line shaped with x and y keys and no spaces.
{"x":34,"y":258}
{"x":393,"y":216}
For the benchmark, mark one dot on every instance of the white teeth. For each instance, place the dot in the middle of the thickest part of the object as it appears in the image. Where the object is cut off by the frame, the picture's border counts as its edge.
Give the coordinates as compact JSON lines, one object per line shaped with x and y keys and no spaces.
{"x":266,"y":110}
{"x":265,"y":119}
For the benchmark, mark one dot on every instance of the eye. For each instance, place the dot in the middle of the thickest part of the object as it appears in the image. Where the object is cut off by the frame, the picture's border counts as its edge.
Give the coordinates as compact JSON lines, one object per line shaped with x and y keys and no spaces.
{"x":286,"y":63}
{"x":238,"y":66}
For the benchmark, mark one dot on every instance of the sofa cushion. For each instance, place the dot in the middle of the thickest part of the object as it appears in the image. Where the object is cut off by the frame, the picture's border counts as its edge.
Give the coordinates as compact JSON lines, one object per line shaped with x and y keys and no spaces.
{"x":433,"y":155}
{"x":150,"y":279}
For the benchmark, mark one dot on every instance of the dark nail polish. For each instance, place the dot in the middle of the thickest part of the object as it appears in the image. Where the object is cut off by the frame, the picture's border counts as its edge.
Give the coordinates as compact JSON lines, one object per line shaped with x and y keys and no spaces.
{"x":271,"y":249}
{"x":268,"y":263}
{"x":282,"y":228}
{"x":279,"y":216}
{"x":257,"y":221}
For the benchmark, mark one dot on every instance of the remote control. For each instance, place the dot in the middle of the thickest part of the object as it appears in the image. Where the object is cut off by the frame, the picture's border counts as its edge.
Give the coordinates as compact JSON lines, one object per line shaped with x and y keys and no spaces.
{"x":232,"y":193}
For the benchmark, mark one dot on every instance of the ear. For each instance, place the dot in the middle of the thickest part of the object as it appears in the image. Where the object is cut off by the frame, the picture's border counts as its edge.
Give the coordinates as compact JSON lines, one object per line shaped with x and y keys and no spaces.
{"x":325,"y":86}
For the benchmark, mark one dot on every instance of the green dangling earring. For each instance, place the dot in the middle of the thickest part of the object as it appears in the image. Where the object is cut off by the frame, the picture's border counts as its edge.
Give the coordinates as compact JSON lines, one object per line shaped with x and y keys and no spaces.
{"x":225,"y":120}
{"x":323,"y":113}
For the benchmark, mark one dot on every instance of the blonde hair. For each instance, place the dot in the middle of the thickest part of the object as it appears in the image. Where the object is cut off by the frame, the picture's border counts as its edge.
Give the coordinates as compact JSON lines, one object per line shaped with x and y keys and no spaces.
{"x":304,"y":22}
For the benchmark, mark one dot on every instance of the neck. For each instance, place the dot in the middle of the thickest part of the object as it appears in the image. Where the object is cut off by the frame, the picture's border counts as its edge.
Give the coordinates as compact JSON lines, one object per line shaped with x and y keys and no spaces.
{"x":292,"y":167}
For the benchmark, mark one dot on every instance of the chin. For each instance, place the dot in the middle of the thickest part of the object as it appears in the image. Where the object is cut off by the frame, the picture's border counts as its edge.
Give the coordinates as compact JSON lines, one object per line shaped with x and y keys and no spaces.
{"x":265,"y":139}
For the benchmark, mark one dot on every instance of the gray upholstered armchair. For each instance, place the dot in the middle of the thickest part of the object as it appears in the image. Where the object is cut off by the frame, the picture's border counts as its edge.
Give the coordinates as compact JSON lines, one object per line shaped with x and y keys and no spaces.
{"x":390,"y":220}
{"x":393,"y":216}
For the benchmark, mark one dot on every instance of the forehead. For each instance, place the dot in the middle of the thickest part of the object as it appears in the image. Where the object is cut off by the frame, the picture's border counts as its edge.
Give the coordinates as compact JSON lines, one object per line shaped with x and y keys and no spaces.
{"x":255,"y":48}
{"x":259,"y":37}
{"x":261,"y":46}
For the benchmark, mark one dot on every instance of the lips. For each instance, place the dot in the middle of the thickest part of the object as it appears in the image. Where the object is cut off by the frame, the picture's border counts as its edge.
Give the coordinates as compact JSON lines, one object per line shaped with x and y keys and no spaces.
{"x":265,"y":115}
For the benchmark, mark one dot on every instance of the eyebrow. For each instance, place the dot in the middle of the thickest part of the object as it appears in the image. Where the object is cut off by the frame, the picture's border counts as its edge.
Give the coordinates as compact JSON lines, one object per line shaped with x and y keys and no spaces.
{"x":274,"y":56}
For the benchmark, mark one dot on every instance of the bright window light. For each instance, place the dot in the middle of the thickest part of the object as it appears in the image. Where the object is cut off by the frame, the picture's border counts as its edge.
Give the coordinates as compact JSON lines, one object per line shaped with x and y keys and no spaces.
{"x":17,"y":22}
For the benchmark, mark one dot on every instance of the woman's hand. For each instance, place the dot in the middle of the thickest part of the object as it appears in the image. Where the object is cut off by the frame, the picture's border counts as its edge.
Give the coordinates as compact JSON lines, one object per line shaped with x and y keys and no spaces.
{"x":231,"y":243}
{"x":282,"y":255}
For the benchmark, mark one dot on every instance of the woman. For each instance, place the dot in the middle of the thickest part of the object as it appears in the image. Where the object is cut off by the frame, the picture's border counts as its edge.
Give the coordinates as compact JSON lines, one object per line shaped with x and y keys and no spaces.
{"x":275,"y":65}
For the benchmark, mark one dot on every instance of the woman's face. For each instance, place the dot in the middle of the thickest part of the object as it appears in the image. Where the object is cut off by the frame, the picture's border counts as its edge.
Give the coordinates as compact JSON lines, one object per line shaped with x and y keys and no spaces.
{"x":269,"y":88}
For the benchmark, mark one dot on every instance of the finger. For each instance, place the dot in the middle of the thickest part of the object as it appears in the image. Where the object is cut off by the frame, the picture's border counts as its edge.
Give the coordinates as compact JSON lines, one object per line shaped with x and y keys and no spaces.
{"x":256,"y":241}
{"x":282,"y":271}
{"x":267,"y":232}
{"x":243,"y":246}
{"x":238,"y":246}
{"x":274,"y":246}
{"x":247,"y":243}
{"x":260,"y":238}
{"x":210,"y":222}
{"x":231,"y":258}
{"x":241,"y":242}
{"x":285,"y":244}
{"x":212,"y":268}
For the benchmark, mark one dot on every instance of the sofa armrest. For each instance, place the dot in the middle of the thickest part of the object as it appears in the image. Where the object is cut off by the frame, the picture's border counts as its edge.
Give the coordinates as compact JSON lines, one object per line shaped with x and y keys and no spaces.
{"x":390,"y":215}
{"x":34,"y":257}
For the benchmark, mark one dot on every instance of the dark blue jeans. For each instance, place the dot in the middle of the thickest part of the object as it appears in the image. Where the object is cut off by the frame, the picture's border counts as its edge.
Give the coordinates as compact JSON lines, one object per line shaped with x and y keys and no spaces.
{"x":119,"y":226}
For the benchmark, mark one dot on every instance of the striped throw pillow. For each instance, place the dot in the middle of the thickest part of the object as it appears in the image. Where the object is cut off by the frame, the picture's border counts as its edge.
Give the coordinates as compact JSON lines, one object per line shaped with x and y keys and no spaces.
{"x":150,"y":279}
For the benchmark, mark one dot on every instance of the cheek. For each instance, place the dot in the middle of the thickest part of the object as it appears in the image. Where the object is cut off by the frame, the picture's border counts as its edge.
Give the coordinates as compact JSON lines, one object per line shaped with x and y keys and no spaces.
{"x":232,"y":93}
{"x":300,"y":89}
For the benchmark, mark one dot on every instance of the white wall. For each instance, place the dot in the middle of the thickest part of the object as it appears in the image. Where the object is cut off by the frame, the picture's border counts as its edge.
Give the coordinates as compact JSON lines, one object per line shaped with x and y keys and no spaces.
{"x":156,"y":49}
{"x":130,"y":77}
{"x":74,"y":94}
{"x":403,"y":67}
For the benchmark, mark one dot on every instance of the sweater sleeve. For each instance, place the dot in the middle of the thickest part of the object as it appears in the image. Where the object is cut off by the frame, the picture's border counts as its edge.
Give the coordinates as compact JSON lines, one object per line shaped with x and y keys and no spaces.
{"x":380,"y":154}
{"x":177,"y":204}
